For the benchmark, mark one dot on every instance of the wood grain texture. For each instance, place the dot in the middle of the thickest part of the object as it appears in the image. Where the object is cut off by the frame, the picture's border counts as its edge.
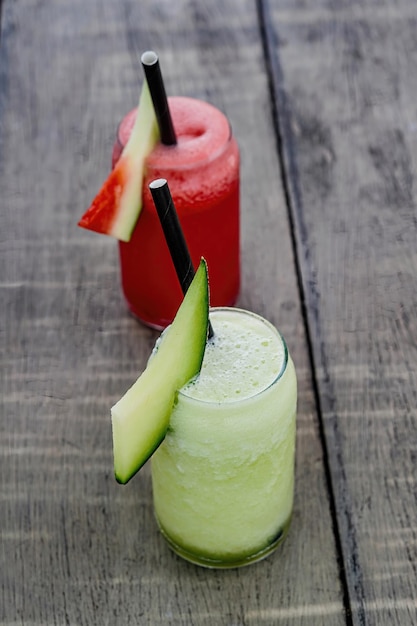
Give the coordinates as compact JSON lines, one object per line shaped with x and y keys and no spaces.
{"x":76,"y":548}
{"x":344,"y":76}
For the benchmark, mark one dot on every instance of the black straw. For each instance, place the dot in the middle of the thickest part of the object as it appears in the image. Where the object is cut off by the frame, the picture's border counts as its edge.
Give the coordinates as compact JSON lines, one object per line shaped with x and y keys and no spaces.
{"x":153,"y":75}
{"x":173,"y":234}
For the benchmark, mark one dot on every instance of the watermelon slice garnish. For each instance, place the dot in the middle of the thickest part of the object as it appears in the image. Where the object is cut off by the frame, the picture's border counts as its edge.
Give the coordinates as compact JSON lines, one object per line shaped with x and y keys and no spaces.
{"x":116,"y":208}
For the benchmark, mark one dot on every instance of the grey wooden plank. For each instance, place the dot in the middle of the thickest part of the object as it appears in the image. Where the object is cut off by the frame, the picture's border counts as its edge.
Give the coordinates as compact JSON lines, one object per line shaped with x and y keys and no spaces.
{"x":76,"y":548}
{"x":346,"y":90}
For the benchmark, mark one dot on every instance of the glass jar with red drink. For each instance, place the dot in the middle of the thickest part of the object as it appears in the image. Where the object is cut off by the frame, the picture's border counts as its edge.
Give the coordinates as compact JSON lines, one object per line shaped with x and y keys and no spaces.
{"x":202,"y":170}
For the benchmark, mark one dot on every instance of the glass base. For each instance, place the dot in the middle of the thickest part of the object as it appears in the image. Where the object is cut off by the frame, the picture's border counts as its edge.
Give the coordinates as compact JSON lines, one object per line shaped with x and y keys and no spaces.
{"x":155,"y":326}
{"x":230,"y":562}
{"x":159,"y":325}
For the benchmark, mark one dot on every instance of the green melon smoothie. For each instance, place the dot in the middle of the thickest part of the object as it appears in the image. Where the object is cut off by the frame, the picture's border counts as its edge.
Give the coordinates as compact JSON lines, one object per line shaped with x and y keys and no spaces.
{"x":223,"y":478}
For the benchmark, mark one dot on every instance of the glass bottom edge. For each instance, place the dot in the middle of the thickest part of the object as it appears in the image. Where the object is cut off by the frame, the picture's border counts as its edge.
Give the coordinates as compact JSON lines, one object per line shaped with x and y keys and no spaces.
{"x":160,"y":325}
{"x":213,"y":563}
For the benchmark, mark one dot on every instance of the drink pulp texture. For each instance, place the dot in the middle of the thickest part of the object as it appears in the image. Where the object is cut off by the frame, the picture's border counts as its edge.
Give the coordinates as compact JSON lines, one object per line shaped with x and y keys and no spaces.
{"x":223,"y":479}
{"x":202,"y":171}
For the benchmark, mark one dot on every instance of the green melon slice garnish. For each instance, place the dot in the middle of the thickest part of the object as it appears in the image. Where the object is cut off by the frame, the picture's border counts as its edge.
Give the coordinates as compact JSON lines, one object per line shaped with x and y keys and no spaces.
{"x":140,"y":419}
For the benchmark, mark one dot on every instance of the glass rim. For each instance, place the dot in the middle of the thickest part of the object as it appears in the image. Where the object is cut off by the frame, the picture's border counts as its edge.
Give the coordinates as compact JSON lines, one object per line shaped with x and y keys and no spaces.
{"x":218,"y":153}
{"x":234,"y":402}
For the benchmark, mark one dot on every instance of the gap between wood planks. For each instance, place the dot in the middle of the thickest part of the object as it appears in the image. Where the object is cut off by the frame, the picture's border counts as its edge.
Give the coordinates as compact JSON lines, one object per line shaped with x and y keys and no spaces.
{"x":288,"y":171}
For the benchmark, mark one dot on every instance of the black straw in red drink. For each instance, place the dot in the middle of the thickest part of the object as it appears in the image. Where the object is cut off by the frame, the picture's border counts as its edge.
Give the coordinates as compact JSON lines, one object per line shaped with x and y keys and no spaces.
{"x":153,"y":75}
{"x":173,"y":234}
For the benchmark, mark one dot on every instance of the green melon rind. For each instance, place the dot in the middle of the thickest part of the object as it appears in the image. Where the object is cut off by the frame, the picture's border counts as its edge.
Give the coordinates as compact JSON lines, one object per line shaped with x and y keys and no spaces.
{"x":140,"y":419}
{"x":144,"y":136}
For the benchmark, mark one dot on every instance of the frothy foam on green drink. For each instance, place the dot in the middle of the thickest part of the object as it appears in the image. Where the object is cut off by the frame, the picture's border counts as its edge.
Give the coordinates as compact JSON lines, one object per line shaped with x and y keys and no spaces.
{"x":240,"y":360}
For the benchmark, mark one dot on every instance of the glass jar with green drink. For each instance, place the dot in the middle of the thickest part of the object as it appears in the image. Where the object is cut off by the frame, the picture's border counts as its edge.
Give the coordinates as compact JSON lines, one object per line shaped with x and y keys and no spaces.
{"x":223,"y":478}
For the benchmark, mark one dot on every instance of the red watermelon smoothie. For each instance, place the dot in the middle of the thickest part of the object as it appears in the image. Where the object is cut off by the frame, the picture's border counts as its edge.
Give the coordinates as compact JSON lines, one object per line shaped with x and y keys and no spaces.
{"x":202,"y":171}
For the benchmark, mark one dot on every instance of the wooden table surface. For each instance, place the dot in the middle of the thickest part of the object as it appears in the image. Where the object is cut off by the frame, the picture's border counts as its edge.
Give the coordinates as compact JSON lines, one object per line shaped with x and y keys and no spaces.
{"x":322,"y":96}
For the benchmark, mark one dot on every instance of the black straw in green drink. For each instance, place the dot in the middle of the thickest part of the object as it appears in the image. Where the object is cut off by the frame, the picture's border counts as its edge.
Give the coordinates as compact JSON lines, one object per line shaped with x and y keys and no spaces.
{"x":153,"y":75}
{"x":173,"y":234}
